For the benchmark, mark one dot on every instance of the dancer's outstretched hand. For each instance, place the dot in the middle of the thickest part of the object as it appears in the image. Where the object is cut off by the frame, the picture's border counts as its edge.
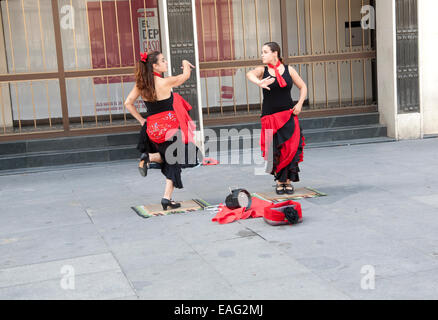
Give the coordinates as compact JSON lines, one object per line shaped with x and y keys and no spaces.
{"x":266,"y":82}
{"x":185,"y":62}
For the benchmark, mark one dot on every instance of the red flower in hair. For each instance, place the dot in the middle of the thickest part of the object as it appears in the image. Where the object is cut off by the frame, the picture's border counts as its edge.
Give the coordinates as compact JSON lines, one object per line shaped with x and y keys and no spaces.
{"x":144,"y":56}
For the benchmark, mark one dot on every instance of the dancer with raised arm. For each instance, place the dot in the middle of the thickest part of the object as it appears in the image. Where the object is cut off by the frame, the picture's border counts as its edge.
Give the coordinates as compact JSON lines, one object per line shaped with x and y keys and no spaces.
{"x":283,"y":148}
{"x":167,"y":132}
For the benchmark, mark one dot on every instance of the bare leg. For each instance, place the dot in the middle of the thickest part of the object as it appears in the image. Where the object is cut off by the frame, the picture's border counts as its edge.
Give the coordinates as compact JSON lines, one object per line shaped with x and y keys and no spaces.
{"x":167,"y":198}
{"x":168,"y":190}
{"x":153,"y":157}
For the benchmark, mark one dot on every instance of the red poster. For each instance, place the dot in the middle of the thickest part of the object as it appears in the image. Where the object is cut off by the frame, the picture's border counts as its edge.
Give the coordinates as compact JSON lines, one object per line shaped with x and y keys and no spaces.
{"x":209,"y":36}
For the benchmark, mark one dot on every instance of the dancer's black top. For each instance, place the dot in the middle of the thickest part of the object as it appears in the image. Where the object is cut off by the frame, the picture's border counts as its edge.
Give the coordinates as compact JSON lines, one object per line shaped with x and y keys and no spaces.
{"x":159,"y":106}
{"x":277,"y":99}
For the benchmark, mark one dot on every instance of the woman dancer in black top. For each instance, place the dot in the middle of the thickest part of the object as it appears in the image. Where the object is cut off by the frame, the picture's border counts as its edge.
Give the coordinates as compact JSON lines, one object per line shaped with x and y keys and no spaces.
{"x":167,"y":123}
{"x":282,"y":141}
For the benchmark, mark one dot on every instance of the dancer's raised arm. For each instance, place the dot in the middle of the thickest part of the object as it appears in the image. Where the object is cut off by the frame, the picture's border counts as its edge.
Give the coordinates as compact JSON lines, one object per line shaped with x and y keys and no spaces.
{"x":256,"y":76}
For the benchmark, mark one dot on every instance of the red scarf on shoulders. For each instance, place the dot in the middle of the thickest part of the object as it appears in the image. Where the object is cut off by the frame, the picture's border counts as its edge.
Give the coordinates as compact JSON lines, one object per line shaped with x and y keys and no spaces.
{"x":280,"y":79}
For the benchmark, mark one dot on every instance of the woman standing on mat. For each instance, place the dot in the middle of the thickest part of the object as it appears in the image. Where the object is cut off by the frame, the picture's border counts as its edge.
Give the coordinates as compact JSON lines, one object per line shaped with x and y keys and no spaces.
{"x":167,"y":132}
{"x":281,"y":141}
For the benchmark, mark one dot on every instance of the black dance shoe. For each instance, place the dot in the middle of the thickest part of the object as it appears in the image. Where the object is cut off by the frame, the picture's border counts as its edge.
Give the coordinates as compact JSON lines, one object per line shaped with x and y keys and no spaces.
{"x":279,"y":189}
{"x":169,"y":203}
{"x":289,"y":188}
{"x":144,"y":164}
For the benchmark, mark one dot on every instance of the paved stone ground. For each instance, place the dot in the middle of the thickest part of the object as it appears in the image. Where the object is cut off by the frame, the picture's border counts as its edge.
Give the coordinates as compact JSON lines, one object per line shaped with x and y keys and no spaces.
{"x":381,"y":210}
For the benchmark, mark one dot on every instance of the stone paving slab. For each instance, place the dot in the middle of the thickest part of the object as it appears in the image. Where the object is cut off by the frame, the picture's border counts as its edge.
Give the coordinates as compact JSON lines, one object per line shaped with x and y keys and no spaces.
{"x":410,"y":286}
{"x":431,"y":200}
{"x":120,"y":231}
{"x":206,"y":231}
{"x":50,"y":214}
{"x":43,"y":245}
{"x":426,"y":244}
{"x":248,"y":259}
{"x":167,"y":249}
{"x":188,"y":277}
{"x":54,"y":270}
{"x":94,"y":286}
{"x":299,"y":287}
{"x":203,"y":287}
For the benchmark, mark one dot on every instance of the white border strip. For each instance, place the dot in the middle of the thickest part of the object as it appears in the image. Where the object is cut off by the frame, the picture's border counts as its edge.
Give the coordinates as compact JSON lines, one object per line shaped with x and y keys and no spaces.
{"x":394,"y":62}
{"x":165,"y":24}
{"x":420,"y":66}
{"x":198,"y":76}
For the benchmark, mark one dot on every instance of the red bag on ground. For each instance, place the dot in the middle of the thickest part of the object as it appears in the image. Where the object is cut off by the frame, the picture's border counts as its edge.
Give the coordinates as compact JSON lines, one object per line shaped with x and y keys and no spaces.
{"x":288,"y":212}
{"x":226,"y":215}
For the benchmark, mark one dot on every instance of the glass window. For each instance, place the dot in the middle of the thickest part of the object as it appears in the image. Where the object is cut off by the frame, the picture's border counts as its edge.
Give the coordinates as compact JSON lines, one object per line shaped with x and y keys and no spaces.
{"x":234,"y":30}
{"x":31,"y":103}
{"x":28,"y":36}
{"x":107,"y":34}
{"x":89,"y":100}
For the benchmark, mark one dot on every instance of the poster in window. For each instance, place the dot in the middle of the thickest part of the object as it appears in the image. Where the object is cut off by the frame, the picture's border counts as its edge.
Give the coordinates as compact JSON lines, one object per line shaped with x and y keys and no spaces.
{"x":149,"y":30}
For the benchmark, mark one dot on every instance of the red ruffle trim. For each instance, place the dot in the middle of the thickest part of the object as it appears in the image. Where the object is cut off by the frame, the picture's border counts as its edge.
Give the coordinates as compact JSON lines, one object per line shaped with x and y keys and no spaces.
{"x":289,"y":149}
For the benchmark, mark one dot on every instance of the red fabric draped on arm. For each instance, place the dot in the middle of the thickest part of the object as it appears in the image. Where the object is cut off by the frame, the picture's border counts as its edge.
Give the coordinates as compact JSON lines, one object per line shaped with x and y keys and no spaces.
{"x":182,"y":108}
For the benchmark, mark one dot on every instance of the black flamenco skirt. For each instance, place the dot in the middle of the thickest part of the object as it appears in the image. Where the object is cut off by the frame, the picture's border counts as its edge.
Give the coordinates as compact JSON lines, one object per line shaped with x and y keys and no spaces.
{"x":283,"y":136}
{"x":176,"y":156}
{"x":287,"y":145}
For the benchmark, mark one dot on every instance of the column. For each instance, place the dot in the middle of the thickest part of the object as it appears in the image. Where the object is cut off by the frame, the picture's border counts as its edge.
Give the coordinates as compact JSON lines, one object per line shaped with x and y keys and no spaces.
{"x":6,"y":117}
{"x":182,"y":47}
{"x":397,"y":69}
{"x":428,"y":65}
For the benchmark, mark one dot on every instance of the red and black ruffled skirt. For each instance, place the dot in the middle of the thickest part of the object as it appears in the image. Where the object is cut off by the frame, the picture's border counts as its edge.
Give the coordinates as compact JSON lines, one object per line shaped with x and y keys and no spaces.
{"x":282,"y":144}
{"x":161,"y":132}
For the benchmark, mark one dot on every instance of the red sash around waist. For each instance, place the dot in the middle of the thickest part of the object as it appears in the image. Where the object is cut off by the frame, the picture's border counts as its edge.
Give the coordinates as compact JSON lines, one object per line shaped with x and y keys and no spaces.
{"x":158,"y":125}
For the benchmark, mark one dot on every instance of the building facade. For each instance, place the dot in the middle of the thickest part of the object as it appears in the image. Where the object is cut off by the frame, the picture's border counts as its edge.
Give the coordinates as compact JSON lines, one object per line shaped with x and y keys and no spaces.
{"x":66,"y":66}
